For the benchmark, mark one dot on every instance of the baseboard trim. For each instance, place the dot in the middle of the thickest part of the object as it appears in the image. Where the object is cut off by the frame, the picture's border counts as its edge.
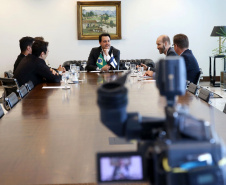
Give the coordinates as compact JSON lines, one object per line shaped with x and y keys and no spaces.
{"x":207,"y":78}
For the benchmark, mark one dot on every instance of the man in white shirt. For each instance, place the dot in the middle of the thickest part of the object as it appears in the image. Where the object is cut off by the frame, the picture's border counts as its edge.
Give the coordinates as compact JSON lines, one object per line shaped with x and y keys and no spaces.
{"x":110,"y":54}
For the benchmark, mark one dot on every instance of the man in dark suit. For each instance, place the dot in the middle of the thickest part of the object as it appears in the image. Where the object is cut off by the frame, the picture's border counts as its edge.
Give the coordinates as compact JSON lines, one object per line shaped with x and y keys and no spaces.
{"x":33,"y":67}
{"x":163,"y":45}
{"x":110,"y":54}
{"x":181,"y":44}
{"x":26,"y":48}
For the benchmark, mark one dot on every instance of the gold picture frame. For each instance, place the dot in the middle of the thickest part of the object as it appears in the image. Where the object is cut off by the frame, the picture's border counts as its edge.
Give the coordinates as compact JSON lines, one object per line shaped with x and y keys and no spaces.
{"x":96,"y":17}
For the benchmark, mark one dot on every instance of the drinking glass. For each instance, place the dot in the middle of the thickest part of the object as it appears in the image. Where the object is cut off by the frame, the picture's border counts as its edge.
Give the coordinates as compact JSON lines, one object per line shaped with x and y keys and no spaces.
{"x":132,"y":68}
{"x":77,"y":70}
{"x":73,"y":68}
{"x":127,"y":65}
{"x":140,"y":71}
{"x":65,"y":78}
{"x":84,"y":64}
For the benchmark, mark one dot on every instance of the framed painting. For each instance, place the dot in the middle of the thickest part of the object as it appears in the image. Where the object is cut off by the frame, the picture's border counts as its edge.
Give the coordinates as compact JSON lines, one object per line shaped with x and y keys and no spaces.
{"x":96,"y":17}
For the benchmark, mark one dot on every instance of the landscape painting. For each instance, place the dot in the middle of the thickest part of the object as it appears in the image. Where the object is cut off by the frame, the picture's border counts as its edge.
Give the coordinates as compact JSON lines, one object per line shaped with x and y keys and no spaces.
{"x":98,"y":17}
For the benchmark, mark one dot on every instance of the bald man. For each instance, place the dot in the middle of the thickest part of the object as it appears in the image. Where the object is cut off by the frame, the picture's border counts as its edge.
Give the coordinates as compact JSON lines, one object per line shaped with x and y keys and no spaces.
{"x":163,"y":45}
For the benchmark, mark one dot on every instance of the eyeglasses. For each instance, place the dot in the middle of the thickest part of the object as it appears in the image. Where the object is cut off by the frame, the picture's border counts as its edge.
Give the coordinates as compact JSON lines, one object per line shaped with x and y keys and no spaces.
{"x":173,"y":45}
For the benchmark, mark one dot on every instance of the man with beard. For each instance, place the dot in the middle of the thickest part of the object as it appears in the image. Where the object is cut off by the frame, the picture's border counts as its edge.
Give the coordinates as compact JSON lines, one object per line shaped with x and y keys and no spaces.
{"x":105,"y":57}
{"x":163,"y":45}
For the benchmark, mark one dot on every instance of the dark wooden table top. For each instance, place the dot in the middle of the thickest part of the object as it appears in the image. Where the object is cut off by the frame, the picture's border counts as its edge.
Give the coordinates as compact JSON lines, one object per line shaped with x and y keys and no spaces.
{"x":52,"y":135}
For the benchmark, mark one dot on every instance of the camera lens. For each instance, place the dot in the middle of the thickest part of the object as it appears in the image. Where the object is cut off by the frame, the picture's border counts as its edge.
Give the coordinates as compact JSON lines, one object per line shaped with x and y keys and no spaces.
{"x":112,"y":100}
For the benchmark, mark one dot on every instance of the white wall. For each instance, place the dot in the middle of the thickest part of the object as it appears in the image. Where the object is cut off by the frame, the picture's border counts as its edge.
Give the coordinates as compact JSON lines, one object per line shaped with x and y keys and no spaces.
{"x":142,"y":22}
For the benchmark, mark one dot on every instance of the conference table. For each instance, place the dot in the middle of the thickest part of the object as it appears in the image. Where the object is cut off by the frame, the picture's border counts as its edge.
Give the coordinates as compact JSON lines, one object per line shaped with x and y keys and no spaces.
{"x":52,"y":135}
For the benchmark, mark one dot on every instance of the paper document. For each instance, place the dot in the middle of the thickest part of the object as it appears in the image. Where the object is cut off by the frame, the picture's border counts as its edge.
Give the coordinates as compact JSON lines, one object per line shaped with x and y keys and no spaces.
{"x":148,"y":80}
{"x":55,"y":87}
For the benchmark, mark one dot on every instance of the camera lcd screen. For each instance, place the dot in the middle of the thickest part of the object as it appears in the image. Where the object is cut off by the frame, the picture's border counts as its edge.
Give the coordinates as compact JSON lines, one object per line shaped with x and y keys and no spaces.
{"x":120,"y":167}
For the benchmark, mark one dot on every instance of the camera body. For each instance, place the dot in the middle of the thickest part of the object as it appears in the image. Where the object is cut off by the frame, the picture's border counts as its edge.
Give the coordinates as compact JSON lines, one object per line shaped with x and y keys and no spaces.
{"x":176,"y":150}
{"x":193,"y":156}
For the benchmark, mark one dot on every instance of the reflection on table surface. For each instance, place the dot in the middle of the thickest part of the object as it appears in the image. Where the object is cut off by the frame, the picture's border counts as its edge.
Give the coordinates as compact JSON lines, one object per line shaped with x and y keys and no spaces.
{"x":52,"y":135}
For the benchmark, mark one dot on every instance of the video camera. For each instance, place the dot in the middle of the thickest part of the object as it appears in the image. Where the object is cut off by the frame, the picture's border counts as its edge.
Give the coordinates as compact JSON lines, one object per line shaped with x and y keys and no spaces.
{"x":176,"y":150}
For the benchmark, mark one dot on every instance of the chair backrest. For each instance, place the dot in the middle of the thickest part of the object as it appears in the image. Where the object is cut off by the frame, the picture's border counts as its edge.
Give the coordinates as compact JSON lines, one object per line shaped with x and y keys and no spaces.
{"x":10,"y":85}
{"x":29,"y":85}
{"x":8,"y":74}
{"x":193,"y":88}
{"x":66,"y":64}
{"x":12,"y":100}
{"x":199,"y":76}
{"x":23,"y":91}
{"x":147,"y":62}
{"x":224,"y":109}
{"x":1,"y":111}
{"x":205,"y":94}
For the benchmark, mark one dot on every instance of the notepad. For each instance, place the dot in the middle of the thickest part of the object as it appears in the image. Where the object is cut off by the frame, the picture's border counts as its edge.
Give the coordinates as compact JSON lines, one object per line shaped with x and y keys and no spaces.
{"x":55,"y":87}
{"x":148,"y":80}
{"x":94,"y":71}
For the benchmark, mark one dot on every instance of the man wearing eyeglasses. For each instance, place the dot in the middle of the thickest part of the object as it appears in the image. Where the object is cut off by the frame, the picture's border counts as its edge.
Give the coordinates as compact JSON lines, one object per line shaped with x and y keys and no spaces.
{"x":181,"y":45}
{"x":33,"y":67}
{"x":105,"y":57}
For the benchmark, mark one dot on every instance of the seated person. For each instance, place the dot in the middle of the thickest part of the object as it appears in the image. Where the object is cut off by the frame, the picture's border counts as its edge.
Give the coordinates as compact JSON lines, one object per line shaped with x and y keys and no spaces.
{"x":60,"y":69}
{"x":25,"y":48}
{"x":105,"y":57}
{"x":164,"y":47}
{"x":34,"y":68}
{"x":181,"y":44}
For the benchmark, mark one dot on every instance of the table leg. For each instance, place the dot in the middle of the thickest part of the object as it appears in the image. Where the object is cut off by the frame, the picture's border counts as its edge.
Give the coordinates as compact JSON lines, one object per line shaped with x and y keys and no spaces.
{"x":210,"y":71}
{"x":224,"y":63}
{"x":214,"y":71}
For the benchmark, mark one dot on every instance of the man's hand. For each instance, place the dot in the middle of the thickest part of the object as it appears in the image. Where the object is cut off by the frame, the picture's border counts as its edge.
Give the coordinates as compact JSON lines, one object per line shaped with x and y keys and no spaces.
{"x":106,"y":51}
{"x":145,"y":67}
{"x":53,"y":71}
{"x":60,"y":68}
{"x":148,"y":73}
{"x":105,"y":68}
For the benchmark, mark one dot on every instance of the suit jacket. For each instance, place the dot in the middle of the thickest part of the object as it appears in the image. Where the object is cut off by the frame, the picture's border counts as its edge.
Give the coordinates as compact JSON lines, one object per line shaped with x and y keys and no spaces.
{"x":35,"y":69}
{"x":171,"y":52}
{"x":94,"y":54}
{"x":19,"y":58}
{"x":192,"y":66}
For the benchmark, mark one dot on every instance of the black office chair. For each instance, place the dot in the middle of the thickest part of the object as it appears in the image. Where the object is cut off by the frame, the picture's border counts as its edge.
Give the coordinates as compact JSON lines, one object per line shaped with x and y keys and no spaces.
{"x":8,"y":74}
{"x":149,"y":63}
{"x":199,"y":76}
{"x":10,"y":85}
{"x":193,"y":88}
{"x":1,"y":112}
{"x":224,"y":109}
{"x":205,"y":94}
{"x":67,"y":64}
{"x":23,"y":91}
{"x":11,"y":100}
{"x":29,"y":85}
